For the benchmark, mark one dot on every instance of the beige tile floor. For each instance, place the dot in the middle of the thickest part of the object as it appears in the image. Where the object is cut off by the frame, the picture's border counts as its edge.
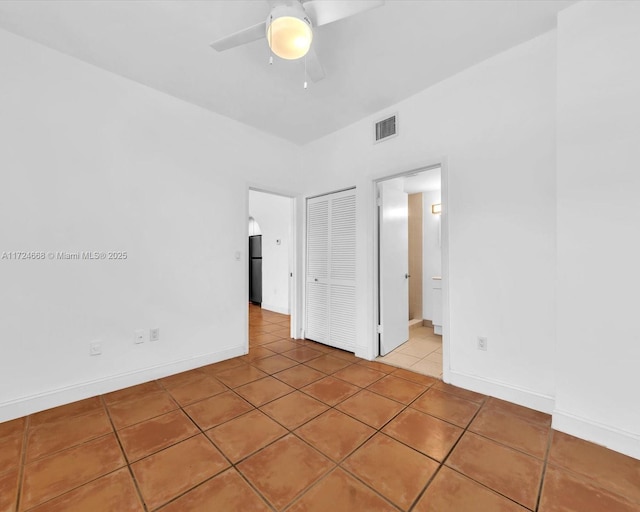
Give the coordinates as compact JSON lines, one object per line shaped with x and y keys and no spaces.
{"x":422,"y":353}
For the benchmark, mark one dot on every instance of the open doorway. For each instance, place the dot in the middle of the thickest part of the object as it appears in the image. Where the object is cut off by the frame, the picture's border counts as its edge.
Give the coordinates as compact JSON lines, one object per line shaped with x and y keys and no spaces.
{"x":410,"y":270}
{"x":270,"y":250}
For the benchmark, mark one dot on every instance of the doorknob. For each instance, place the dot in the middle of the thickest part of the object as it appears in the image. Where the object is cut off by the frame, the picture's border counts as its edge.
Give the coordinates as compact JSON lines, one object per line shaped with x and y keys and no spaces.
{"x":315,"y":279}
{"x":407,"y":276}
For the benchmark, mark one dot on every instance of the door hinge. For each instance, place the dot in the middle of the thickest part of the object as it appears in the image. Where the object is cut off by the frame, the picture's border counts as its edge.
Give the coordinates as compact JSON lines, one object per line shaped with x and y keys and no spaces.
{"x":379,"y":201}
{"x":379,"y":329}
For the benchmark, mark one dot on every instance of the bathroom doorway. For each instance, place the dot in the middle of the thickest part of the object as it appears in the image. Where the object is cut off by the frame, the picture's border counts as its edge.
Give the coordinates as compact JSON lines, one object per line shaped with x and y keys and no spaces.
{"x":410,"y":270}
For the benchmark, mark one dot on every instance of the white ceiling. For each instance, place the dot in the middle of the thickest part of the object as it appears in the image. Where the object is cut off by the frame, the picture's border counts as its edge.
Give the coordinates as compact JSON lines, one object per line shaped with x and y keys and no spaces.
{"x":372,"y":60}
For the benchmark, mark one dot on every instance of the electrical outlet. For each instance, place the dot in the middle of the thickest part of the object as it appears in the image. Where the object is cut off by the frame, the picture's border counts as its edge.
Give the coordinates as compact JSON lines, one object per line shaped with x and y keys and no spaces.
{"x":154,"y":334}
{"x":138,"y":336}
{"x":482,"y":343}
{"x":95,"y":348}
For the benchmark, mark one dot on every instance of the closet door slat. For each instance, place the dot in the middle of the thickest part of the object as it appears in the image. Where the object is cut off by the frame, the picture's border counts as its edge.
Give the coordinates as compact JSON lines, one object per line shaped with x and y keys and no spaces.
{"x":331,"y":270}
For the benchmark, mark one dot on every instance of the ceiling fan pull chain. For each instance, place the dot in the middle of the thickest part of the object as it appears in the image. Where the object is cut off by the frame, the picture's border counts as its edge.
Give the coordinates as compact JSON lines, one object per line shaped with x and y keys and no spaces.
{"x":305,"y":71}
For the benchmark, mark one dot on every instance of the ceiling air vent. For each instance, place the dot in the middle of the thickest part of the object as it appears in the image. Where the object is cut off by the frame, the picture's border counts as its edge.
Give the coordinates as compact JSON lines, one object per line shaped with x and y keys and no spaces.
{"x":386,"y":128}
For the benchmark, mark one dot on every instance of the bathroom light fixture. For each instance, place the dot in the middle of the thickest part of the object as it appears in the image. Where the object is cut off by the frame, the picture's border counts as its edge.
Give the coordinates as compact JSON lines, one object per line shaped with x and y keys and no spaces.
{"x":289,"y":31}
{"x":436,"y":209}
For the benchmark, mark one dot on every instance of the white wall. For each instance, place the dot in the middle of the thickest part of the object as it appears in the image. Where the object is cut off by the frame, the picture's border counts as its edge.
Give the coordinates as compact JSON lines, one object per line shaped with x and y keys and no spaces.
{"x":431,"y":250}
{"x":495,"y":125}
{"x":598,"y":355}
{"x":91,"y":161}
{"x":273,"y":214}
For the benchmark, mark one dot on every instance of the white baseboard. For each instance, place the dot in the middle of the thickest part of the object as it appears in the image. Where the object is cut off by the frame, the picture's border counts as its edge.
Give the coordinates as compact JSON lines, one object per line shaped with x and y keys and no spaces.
{"x":502,"y":390}
{"x":365,"y":353}
{"x":615,"y":439}
{"x":275,"y":309}
{"x":53,"y":398}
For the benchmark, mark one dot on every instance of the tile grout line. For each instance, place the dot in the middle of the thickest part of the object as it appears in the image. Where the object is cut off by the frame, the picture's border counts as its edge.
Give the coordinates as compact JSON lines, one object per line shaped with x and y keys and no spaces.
{"x":67,"y":449}
{"x":544,"y":468}
{"x":335,"y":465}
{"x":500,"y":443}
{"x":379,"y":430}
{"x":264,"y":499}
{"x":490,"y":489}
{"x":304,"y":491}
{"x":124,"y":454}
{"x":341,"y":461}
{"x":105,"y":408}
{"x":473,"y":479}
{"x":292,"y":432}
{"x":446,"y":457}
{"x":231,"y":464}
{"x":289,"y":431}
{"x":426,"y":486}
{"x":64,"y":449}
{"x":376,"y":431}
{"x":49,"y":500}
{"x":349,"y":473}
{"x":180,"y":407}
{"x":137,"y":398}
{"x":23,"y":460}
{"x":584,"y":478}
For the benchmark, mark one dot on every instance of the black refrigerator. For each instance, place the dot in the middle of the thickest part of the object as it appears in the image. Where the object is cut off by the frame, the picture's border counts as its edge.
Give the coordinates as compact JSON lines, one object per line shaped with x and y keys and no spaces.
{"x":255,"y":269}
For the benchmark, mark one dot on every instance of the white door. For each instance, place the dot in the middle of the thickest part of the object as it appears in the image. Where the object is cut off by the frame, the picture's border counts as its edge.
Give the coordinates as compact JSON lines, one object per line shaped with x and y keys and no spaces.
{"x":394,"y":265}
{"x":342,"y":271}
{"x":317,"y":286}
{"x":331,"y":270}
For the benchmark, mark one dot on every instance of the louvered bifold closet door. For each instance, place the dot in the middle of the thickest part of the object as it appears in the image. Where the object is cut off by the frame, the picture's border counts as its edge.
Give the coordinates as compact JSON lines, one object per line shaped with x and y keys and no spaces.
{"x":317,"y":294}
{"x":331,"y":269}
{"x":342,"y":271}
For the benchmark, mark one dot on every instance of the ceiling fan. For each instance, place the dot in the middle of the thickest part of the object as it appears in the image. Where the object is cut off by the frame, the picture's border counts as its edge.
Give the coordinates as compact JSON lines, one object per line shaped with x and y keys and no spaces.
{"x":289,"y":28}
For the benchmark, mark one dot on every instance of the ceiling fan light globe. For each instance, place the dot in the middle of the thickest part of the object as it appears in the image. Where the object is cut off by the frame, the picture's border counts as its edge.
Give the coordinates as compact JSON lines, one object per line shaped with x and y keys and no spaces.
{"x":289,"y":37}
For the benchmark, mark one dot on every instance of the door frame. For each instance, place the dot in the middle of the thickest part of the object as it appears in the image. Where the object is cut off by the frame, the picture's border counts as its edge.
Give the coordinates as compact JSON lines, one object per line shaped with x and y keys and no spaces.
{"x":294,"y":279}
{"x":444,"y":227}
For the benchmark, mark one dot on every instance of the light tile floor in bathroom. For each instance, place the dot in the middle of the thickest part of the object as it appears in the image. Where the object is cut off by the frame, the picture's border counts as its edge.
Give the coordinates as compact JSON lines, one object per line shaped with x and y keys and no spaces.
{"x":300,"y":427}
{"x":421,"y":354}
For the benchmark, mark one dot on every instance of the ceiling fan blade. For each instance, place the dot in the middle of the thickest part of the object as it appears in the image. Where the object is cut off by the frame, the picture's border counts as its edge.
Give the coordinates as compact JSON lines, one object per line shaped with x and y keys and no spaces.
{"x":242,"y":37}
{"x":315,"y":71}
{"x":322,"y":12}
